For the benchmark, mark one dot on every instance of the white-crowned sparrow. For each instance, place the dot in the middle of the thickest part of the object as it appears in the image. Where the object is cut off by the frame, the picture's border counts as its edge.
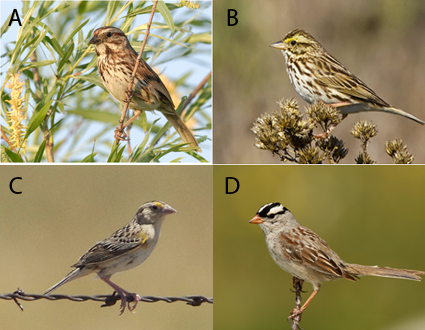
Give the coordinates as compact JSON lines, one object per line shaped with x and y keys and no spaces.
{"x":304,"y":255}
{"x":127,"y":248}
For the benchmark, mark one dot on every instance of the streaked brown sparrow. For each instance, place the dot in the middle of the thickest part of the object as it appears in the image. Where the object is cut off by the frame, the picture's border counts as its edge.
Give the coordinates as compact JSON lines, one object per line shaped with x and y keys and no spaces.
{"x":115,"y":62}
{"x":307,"y":257}
{"x":318,"y":76}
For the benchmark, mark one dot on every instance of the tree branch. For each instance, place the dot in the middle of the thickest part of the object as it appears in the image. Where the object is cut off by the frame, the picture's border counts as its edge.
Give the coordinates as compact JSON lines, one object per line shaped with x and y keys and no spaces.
{"x":298,"y":286}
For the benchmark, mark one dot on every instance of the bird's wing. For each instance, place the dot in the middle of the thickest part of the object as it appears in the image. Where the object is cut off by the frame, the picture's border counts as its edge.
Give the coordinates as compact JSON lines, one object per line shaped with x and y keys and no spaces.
{"x":339,"y":78}
{"x":122,"y":241}
{"x":155,"y":86}
{"x":323,"y":260}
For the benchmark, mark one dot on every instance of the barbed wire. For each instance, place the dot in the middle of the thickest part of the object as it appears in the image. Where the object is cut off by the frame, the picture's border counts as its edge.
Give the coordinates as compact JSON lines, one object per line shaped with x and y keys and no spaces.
{"x":109,"y":300}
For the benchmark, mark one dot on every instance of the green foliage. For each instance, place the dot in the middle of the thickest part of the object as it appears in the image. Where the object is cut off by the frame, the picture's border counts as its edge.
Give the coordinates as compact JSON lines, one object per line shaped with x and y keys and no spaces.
{"x":68,"y":114}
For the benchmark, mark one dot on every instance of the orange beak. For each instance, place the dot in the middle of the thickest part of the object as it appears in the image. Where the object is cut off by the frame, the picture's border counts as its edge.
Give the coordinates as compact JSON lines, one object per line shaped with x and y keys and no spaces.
{"x":256,"y":220}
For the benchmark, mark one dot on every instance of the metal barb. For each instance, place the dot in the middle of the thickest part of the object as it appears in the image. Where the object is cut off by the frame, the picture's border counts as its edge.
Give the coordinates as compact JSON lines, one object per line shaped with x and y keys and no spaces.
{"x":109,"y":300}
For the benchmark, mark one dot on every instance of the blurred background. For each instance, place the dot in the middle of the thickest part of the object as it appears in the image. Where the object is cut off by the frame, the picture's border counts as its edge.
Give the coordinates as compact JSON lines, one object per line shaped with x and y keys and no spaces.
{"x":64,"y":210}
{"x":368,"y":215}
{"x":381,"y":42}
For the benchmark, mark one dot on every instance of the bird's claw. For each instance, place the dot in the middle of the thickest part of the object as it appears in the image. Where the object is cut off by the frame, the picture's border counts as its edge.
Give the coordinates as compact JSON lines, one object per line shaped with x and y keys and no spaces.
{"x":127,"y":299}
{"x":120,"y":135}
{"x":294,"y":313}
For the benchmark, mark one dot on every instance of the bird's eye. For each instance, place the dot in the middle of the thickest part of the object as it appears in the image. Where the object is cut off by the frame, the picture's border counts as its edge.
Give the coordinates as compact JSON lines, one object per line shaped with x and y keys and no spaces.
{"x":108,"y":34}
{"x":271,"y":216}
{"x":293,"y":42}
{"x":154,"y":207}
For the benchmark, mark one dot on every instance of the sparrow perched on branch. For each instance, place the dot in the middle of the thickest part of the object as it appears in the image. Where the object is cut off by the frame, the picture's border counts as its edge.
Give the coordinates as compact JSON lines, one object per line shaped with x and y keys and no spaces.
{"x":307,"y":257}
{"x":115,"y":62}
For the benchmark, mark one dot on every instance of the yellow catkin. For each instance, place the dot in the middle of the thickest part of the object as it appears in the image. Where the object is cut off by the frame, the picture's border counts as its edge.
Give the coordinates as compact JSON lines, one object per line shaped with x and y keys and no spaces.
{"x":189,"y":4}
{"x":3,"y":157}
{"x":17,"y":112}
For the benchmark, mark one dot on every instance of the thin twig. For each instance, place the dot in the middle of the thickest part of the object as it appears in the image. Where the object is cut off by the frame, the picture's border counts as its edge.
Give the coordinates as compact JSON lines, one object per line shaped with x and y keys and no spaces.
{"x":128,"y":142}
{"x":129,"y":92}
{"x":298,"y":286}
{"x":195,"y":91}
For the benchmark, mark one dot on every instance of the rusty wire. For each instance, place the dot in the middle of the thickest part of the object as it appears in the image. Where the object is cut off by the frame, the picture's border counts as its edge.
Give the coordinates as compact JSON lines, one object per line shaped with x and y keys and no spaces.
{"x":109,"y":300}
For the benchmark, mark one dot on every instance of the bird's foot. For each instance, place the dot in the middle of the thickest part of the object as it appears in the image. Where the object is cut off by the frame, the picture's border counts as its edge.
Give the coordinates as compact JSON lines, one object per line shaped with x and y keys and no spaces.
{"x":132,"y":297}
{"x":120,"y":135}
{"x":326,"y":134}
{"x":126,"y":300}
{"x":294,"y":313}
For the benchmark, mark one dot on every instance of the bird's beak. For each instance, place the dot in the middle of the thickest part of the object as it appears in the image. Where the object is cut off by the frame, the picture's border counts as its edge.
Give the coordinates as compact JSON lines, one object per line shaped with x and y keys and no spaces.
{"x":169,"y":210}
{"x":95,"y":40}
{"x":256,"y":220}
{"x":278,"y":45}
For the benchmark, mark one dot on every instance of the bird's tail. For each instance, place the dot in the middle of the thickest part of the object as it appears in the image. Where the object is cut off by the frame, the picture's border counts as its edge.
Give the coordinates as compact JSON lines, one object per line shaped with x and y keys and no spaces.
{"x":386,"y":272}
{"x":362,"y":107}
{"x":404,"y":114}
{"x":181,"y":128}
{"x":76,"y":273}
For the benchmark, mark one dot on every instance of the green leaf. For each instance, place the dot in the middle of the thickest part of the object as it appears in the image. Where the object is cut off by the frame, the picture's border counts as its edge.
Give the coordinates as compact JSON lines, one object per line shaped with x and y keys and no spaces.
{"x":38,"y":64}
{"x":39,"y":155}
{"x":119,"y":154}
{"x":143,"y":121}
{"x":128,"y":20}
{"x":92,"y":78}
{"x":37,"y":118}
{"x":65,"y":58}
{"x":113,"y":152}
{"x":92,"y":64}
{"x":55,"y":44}
{"x":114,"y":156}
{"x":146,"y":138}
{"x":175,"y":148}
{"x":201,"y":37}
{"x":78,"y":28}
{"x":166,"y":14}
{"x":112,"y":7}
{"x":142,"y":145}
{"x":89,"y":158}
{"x":177,"y":160}
{"x":148,"y":9}
{"x":5,"y":25}
{"x":198,"y":157}
{"x":13,"y":157}
{"x":61,"y":107}
{"x":34,"y":46}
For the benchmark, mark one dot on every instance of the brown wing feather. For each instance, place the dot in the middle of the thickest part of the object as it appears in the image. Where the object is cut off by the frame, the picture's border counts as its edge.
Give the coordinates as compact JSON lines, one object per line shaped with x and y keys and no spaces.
{"x":156,"y":86}
{"x":122,"y":241}
{"x":324,"y":260}
{"x":341,"y":79}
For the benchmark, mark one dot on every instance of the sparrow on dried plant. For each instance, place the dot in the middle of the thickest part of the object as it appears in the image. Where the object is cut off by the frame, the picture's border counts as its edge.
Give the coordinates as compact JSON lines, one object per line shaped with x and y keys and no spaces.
{"x":115,"y":62}
{"x":319,"y":77}
{"x":307,"y":257}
